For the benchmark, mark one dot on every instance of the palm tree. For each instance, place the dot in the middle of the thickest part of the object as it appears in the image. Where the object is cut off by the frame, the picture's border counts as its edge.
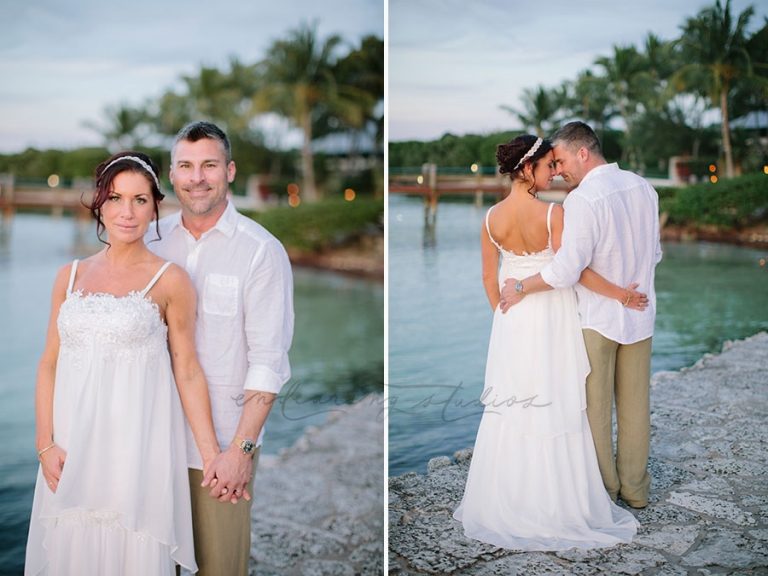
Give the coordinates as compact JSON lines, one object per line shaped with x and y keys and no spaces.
{"x":713,"y":43}
{"x":222,"y":97}
{"x":126,"y":127}
{"x":298,"y":79}
{"x":627,"y":78}
{"x":360,"y":82}
{"x":589,"y":98}
{"x":539,"y":110}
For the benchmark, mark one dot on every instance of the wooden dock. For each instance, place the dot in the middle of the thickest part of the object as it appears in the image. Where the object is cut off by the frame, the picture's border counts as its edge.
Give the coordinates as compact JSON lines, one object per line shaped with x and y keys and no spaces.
{"x":431,"y":185}
{"x":58,"y":200}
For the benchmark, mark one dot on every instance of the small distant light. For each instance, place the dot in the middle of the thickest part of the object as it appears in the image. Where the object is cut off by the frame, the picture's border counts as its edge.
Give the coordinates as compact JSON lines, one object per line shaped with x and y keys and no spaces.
{"x":293,"y":189}
{"x":53,"y":180}
{"x":713,"y":178}
{"x":349,"y":194}
{"x":474,"y":168}
{"x":294,"y":200}
{"x":712,"y":168}
{"x":420,"y":179}
{"x":765,"y":169}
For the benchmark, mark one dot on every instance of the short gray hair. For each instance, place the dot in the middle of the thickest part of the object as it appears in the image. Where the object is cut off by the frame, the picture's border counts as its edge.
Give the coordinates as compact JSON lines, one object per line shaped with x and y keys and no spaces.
{"x":200,"y":130}
{"x":575,"y":135}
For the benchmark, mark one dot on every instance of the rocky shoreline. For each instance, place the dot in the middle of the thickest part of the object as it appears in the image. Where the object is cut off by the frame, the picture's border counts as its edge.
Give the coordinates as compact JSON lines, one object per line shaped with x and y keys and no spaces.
{"x":708,"y":510}
{"x":318,"y":507}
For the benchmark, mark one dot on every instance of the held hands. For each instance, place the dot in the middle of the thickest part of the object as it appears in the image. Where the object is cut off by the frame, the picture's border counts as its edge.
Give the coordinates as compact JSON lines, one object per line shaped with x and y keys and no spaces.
{"x":635,"y":300}
{"x":510,"y":296}
{"x":228,"y":475}
{"x":52,"y":462}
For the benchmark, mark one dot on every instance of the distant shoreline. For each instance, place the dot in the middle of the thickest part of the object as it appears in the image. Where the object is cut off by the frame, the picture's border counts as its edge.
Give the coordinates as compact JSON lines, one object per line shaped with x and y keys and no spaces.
{"x":363,"y":260}
{"x":752,"y":237}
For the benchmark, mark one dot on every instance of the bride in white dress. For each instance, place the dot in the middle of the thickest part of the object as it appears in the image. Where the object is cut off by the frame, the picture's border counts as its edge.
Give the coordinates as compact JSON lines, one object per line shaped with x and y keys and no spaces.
{"x":534,"y":482}
{"x":112,"y":493}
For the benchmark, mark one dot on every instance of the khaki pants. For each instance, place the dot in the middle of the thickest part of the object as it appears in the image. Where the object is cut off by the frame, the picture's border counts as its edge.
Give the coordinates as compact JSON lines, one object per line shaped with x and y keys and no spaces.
{"x":620,"y":372}
{"x":222,"y":530}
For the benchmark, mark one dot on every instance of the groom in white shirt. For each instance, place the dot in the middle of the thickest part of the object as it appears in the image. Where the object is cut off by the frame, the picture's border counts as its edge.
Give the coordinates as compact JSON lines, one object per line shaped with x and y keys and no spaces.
{"x":611,"y":226}
{"x":243,"y":333}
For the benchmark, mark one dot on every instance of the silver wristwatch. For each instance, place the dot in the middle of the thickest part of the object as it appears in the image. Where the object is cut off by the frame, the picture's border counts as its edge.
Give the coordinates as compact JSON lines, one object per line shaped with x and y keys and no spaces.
{"x":247,"y":446}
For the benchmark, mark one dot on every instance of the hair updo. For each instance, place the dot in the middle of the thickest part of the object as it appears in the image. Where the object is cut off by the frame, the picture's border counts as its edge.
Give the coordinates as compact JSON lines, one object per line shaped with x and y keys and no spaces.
{"x":509,"y":155}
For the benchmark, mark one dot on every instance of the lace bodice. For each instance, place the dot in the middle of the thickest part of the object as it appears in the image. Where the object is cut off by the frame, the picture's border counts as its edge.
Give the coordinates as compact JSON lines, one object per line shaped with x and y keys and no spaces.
{"x":121,"y":324}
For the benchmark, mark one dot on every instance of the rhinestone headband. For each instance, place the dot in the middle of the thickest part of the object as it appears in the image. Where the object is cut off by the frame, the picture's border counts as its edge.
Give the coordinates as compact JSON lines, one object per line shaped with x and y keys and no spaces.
{"x":530,"y":153}
{"x":138,"y":161}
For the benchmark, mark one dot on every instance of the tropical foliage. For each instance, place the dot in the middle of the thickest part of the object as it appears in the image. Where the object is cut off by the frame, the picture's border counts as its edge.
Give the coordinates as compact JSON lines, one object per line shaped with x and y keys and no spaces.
{"x":321,"y":86}
{"x":326,"y":224}
{"x":658,"y":95}
{"x":733,"y":204}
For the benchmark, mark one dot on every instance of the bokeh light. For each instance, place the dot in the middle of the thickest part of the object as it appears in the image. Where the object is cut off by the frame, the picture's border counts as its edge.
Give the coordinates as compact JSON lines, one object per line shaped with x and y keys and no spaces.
{"x":53,"y":180}
{"x":349,"y":194}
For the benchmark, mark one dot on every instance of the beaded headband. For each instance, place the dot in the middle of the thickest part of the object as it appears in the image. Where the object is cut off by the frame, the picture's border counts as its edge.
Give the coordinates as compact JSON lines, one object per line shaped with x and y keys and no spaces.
{"x":138,"y":161}
{"x":530,"y":153}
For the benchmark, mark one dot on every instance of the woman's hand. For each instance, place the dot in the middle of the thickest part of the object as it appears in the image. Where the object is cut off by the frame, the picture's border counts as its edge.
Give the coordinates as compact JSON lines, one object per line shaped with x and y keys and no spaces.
{"x":52,"y":461}
{"x":635,"y":300}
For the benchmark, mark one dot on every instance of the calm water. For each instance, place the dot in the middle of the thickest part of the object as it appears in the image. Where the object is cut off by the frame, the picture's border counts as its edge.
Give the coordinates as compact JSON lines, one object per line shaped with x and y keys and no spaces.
{"x":338,"y":346}
{"x":440,"y":321}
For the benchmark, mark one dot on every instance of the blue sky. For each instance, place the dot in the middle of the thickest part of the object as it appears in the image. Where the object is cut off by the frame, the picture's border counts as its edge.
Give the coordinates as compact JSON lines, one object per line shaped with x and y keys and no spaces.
{"x":63,"y":61}
{"x":452,"y":63}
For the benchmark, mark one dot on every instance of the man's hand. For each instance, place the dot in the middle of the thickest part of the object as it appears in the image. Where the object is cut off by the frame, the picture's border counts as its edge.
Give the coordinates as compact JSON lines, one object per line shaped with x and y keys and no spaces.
{"x":509,"y":296}
{"x":228,"y":475}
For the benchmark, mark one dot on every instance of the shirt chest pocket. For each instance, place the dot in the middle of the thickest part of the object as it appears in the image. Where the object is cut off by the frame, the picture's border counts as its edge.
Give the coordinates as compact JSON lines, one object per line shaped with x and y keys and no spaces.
{"x":220,"y":295}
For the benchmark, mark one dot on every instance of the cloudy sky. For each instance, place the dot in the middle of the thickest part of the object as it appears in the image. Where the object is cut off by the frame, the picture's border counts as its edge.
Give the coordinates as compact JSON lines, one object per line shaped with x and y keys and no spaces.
{"x":63,"y":61}
{"x":453,"y":63}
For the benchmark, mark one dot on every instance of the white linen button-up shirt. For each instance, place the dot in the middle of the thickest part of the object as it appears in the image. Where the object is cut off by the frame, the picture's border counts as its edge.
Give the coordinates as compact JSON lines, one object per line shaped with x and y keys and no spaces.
{"x":612,"y":226}
{"x":244,"y":323}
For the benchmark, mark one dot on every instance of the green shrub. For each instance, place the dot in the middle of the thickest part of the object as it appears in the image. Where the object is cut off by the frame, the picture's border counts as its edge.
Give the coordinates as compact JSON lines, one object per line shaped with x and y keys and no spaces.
{"x":332,"y":222}
{"x":728,"y":203}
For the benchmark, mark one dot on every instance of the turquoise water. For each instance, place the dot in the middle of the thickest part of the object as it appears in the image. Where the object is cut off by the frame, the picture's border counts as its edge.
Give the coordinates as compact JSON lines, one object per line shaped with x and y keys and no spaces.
{"x":337,"y":353}
{"x":440,"y":321}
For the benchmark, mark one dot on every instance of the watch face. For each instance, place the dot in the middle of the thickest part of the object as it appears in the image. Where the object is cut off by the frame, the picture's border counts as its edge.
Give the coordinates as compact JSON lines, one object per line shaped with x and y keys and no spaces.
{"x":248,"y":446}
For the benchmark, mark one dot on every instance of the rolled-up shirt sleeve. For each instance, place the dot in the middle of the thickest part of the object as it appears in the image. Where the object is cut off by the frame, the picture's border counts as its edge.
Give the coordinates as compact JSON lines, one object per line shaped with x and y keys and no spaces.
{"x":580,"y":236}
{"x":268,"y":308}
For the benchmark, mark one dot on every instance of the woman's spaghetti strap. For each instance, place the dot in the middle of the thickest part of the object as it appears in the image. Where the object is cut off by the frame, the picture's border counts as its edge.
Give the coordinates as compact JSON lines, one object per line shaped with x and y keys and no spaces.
{"x":549,"y":225}
{"x":488,"y":229}
{"x":72,"y":275}
{"x":155,"y":279}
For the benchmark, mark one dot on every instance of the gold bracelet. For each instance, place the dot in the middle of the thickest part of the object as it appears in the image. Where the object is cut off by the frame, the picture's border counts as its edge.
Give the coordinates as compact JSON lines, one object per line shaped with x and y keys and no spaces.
{"x":44,"y":450}
{"x":629,"y":297}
